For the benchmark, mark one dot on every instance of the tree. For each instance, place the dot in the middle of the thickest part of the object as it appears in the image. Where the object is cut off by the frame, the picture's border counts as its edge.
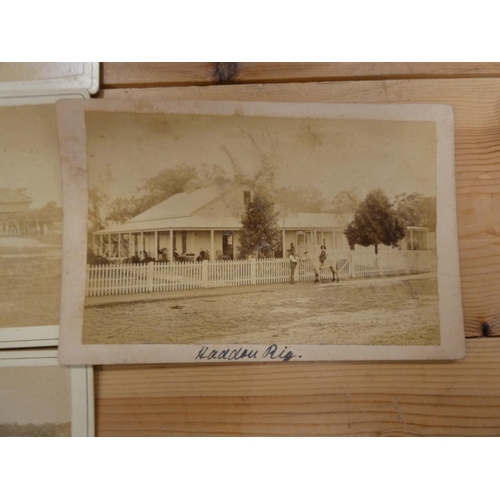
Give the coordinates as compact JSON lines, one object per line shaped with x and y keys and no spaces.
{"x":163,"y":185}
{"x":260,"y":232}
{"x":152,"y":191}
{"x":345,"y":202}
{"x":213,"y":175}
{"x":51,"y":212}
{"x":123,"y":209}
{"x":308,"y":199}
{"x":415,"y":209}
{"x":95,"y":209}
{"x":375,"y":222}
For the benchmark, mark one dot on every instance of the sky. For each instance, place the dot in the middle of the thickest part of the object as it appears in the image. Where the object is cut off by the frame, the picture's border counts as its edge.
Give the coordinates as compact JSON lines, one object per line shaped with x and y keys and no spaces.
{"x":29,"y":154}
{"x":331,"y":154}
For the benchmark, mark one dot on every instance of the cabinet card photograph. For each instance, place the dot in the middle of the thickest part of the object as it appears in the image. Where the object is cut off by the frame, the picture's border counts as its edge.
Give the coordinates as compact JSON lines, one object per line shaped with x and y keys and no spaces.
{"x":30,"y":217}
{"x":219,"y":232}
{"x":30,"y":78}
{"x":40,"y":398}
{"x":30,"y":221}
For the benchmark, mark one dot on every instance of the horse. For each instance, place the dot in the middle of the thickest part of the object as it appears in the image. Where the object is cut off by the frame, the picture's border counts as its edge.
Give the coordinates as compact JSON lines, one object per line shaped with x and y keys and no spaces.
{"x":317,"y":265}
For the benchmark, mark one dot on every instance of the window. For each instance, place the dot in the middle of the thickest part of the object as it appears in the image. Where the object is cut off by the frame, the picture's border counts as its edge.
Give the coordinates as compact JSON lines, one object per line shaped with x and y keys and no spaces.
{"x":300,"y":238}
{"x":247,"y":198}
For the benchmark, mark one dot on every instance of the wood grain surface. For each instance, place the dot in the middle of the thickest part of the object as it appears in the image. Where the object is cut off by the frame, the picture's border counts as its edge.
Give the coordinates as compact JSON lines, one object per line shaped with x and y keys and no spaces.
{"x":128,"y":74}
{"x":313,"y":399}
{"x":461,"y":398}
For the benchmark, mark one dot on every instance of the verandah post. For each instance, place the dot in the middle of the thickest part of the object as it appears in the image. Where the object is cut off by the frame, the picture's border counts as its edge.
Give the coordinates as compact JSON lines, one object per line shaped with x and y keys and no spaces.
{"x":171,"y":249}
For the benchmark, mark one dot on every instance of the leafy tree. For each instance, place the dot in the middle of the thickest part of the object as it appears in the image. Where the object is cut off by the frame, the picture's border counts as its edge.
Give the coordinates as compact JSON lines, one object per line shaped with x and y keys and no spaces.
{"x":213,"y":175}
{"x":96,"y":204}
{"x":123,"y":209}
{"x":151,"y":192}
{"x":416,"y":209}
{"x":375,"y":222}
{"x":308,"y":199}
{"x":263,"y":181}
{"x":260,"y":232}
{"x":163,"y":185}
{"x":51,"y":212}
{"x":346,"y":202}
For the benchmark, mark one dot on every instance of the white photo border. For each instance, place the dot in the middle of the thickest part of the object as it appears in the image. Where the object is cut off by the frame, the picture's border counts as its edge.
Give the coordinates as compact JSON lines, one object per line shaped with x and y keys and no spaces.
{"x":88,"y":81}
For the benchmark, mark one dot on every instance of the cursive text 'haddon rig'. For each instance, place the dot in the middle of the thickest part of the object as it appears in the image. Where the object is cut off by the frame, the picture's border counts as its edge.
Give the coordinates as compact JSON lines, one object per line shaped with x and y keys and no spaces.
{"x":273,"y":352}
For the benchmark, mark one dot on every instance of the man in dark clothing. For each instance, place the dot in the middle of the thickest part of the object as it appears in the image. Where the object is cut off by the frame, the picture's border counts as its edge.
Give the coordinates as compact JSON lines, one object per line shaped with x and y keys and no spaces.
{"x":293,"y":265}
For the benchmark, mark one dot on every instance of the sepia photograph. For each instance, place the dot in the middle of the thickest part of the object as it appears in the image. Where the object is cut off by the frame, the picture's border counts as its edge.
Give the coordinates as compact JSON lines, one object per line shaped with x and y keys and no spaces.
{"x":226,"y":227}
{"x":41,"y":398}
{"x":35,"y":401}
{"x":30,"y":217}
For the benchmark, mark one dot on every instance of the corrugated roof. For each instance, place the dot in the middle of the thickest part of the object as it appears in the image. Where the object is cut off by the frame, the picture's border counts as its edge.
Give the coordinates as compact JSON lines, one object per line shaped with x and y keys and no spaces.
{"x":179,"y":213}
{"x":195,"y":222}
{"x":181,"y":204}
{"x":12,"y":196}
{"x":299,"y":221}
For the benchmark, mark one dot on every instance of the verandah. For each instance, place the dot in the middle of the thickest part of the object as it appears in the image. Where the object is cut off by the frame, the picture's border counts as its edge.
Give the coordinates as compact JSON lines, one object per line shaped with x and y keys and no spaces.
{"x":160,"y":244}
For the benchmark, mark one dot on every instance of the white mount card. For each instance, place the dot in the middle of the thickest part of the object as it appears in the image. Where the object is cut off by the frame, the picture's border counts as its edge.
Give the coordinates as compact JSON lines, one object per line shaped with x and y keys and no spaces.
{"x":206,"y":232}
{"x":31,"y":78}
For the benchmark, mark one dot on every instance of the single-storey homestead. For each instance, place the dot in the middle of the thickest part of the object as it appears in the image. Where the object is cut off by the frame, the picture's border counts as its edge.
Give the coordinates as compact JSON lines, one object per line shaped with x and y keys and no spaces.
{"x":208,"y":219}
{"x":13,"y":201}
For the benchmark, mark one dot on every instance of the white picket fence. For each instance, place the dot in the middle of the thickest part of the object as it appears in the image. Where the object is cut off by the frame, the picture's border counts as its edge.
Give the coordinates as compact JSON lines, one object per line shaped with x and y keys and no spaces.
{"x":392,"y":263}
{"x":115,"y":279}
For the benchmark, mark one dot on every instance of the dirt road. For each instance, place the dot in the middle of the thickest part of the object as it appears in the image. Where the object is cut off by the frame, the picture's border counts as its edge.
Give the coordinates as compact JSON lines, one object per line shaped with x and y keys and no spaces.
{"x":384,"y":311}
{"x":30,"y":286}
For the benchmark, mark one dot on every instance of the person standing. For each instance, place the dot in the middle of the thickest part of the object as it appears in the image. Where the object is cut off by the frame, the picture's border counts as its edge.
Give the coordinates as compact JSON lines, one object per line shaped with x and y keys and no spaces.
{"x":201,"y":257}
{"x":293,"y":265}
{"x":322,"y":256}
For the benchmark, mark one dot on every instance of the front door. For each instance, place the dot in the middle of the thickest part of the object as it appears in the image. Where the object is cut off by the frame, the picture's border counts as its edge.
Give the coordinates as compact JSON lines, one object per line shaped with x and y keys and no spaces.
{"x":227,"y":244}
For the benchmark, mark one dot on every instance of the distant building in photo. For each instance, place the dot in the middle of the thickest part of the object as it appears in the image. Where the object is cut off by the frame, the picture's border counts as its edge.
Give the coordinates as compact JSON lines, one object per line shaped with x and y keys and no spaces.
{"x":419,"y":238}
{"x":12,"y":201}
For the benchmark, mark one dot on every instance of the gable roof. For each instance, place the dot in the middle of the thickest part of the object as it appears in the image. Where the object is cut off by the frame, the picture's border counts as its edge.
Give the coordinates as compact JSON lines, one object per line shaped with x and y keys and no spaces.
{"x":183,"y":204}
{"x":12,"y":196}
{"x":183,"y":212}
{"x":201,"y":222}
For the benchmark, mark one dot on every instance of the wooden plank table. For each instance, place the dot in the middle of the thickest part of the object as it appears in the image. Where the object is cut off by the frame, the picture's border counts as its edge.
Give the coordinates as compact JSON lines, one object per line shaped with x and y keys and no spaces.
{"x":458,"y":398}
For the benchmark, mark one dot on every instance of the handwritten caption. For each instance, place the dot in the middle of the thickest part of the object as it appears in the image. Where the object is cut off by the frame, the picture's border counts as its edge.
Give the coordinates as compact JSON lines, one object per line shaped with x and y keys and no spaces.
{"x":273,"y":352}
